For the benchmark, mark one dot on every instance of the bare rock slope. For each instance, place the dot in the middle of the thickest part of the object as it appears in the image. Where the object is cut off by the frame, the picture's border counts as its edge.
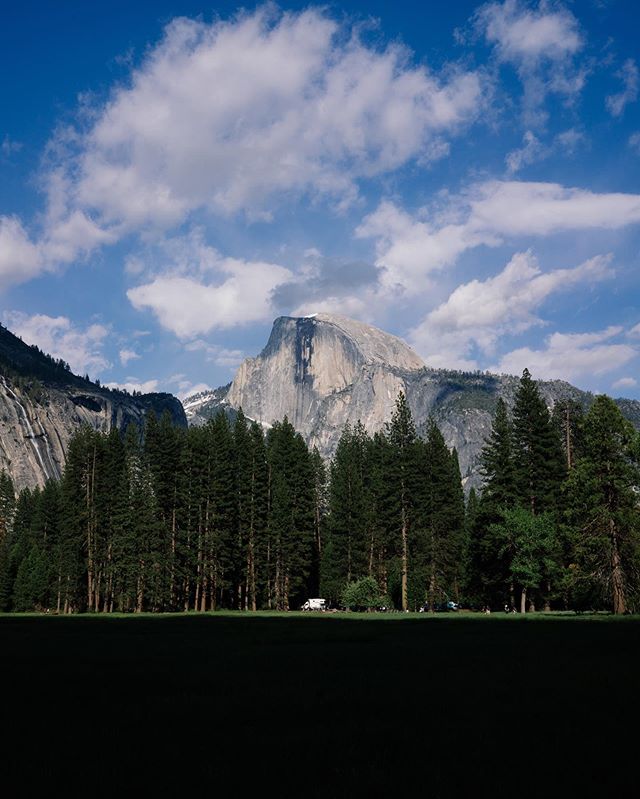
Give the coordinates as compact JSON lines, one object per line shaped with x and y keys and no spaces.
{"x":42,"y":404}
{"x":326,"y":370}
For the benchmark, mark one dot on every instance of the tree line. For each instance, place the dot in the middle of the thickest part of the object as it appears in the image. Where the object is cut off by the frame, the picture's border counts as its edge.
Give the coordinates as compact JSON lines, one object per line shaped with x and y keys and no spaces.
{"x":228,"y":516}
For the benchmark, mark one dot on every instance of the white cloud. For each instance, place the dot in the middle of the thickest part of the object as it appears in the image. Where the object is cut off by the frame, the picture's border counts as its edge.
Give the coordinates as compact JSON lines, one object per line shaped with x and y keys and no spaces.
{"x":66,"y":237}
{"x":80,"y":347}
{"x":634,"y":141}
{"x":132,"y":384}
{"x":635,"y":331}
{"x":534,"y":150}
{"x":300,"y":104}
{"x":568,"y":356}
{"x":126,"y":356}
{"x":625,"y":382}
{"x":409,"y":248}
{"x":531,"y":151}
{"x":631,"y":79}
{"x":478,"y":313}
{"x":520,"y":33}
{"x":20,"y":259}
{"x":541,"y":44}
{"x":201,"y":290}
{"x":233,"y":116}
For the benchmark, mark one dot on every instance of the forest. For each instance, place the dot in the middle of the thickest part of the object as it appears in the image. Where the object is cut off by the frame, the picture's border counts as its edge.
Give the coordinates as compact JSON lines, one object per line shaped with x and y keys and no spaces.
{"x":229,"y":516}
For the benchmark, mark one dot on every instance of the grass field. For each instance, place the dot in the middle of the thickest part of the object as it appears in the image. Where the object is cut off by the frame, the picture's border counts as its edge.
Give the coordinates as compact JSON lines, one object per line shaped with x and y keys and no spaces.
{"x":321,"y":705}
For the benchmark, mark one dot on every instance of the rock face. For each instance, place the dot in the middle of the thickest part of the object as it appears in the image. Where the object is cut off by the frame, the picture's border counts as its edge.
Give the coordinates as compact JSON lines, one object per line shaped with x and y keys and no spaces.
{"x":42,"y":404}
{"x":323,"y":371}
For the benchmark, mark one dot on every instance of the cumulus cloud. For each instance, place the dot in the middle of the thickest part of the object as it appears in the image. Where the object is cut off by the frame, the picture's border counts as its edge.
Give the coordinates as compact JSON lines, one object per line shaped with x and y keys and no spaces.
{"x":232,"y":116}
{"x":631,"y":82}
{"x":568,"y":356}
{"x":192,"y":289}
{"x":540,"y":43}
{"x":409,"y":248}
{"x":478,"y":313}
{"x":80,"y":347}
{"x":300,"y":104}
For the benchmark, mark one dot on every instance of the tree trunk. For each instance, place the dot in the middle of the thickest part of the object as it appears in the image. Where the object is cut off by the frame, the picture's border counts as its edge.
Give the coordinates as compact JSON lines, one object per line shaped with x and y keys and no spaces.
{"x":547,"y":599}
{"x":523,"y":601}
{"x":405,"y":559}
{"x":617,"y":578}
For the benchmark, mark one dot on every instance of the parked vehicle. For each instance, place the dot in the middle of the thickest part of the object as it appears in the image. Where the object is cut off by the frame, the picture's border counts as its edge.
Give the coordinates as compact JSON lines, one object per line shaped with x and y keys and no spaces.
{"x":315,"y":604}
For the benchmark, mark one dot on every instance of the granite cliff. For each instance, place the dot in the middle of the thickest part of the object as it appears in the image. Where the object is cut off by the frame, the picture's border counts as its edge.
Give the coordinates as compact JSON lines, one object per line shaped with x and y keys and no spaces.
{"x":325,"y":370}
{"x":42,"y":403}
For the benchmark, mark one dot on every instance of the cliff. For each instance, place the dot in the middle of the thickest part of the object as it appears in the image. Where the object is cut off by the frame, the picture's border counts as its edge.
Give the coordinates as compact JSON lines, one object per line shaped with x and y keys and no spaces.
{"x":42,"y":404}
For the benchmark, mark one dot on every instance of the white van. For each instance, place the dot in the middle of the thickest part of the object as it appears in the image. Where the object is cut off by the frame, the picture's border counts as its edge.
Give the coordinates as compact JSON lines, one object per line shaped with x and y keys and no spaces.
{"x":315,"y":604}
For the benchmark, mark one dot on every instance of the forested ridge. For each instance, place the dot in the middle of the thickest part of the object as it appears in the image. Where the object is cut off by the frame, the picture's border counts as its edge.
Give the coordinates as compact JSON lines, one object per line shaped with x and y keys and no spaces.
{"x":228,"y":516}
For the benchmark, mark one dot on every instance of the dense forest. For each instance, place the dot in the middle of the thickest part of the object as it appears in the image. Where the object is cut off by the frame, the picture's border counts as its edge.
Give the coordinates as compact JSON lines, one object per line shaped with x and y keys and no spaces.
{"x":226,"y":516}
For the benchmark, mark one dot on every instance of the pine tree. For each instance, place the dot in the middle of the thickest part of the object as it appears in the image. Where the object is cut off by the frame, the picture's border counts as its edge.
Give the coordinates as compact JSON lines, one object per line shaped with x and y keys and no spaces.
{"x":441,"y":519}
{"x":162,"y":447}
{"x":497,"y":464}
{"x":320,"y":505}
{"x":349,"y":514}
{"x":402,"y":479}
{"x":603,"y":505}
{"x":539,"y":467}
{"x":291,"y":515}
{"x":251,"y":487}
{"x":489,"y":571}
{"x":567,"y":418}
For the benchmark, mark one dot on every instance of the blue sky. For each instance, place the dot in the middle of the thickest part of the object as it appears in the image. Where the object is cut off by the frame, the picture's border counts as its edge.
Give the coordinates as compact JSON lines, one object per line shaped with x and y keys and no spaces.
{"x":173,"y":176}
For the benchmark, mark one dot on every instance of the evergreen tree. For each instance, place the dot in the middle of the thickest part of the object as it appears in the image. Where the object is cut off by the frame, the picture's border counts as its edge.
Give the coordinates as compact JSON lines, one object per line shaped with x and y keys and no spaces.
{"x":497,"y":464}
{"x":320,"y":504}
{"x":349,"y":514}
{"x":162,"y":447}
{"x":402,"y":478}
{"x":291,"y":515}
{"x":251,"y":487}
{"x":567,"y":418}
{"x":439,"y":546}
{"x":489,"y":572}
{"x":603,"y":506}
{"x":538,"y":460}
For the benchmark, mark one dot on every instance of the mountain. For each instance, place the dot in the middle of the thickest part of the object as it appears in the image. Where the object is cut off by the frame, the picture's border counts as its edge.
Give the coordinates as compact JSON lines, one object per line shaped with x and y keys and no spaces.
{"x":325,"y":370}
{"x":42,"y":403}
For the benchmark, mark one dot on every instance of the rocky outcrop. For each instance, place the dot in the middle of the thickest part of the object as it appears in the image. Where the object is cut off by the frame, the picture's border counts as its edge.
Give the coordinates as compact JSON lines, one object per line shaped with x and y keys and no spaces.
{"x":323,"y":371}
{"x":42,"y":404}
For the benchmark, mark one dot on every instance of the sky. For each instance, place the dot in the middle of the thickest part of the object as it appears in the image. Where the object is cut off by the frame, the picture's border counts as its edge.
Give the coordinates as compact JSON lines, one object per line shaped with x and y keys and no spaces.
{"x":175,"y":175}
